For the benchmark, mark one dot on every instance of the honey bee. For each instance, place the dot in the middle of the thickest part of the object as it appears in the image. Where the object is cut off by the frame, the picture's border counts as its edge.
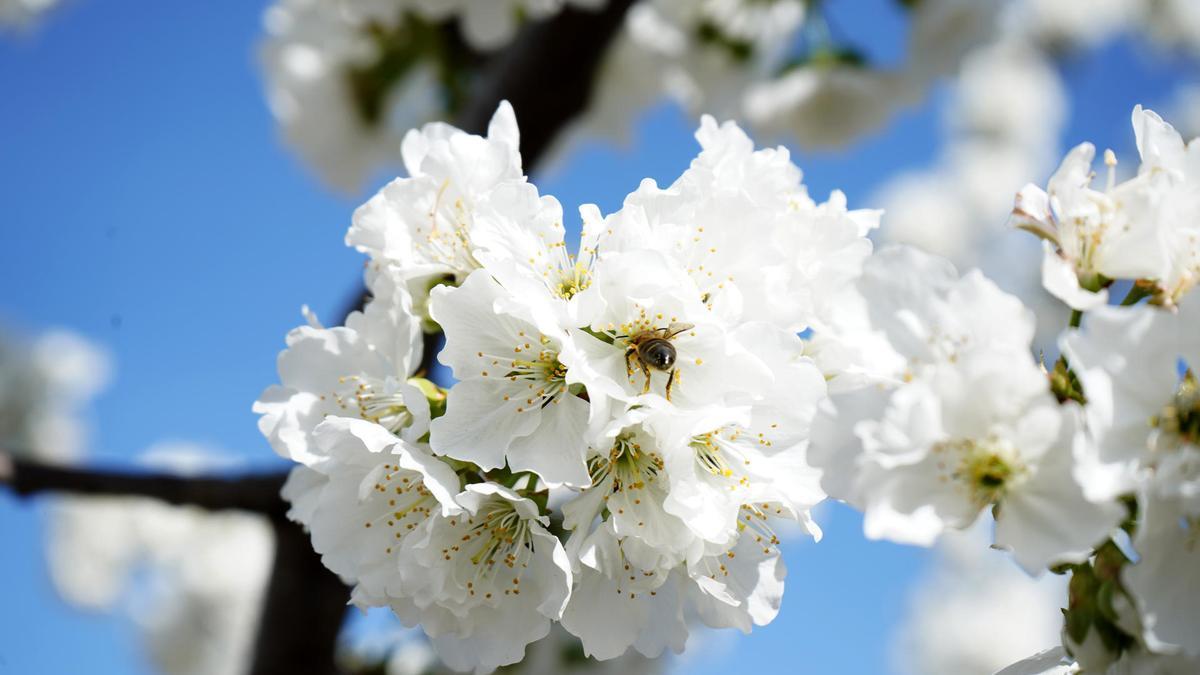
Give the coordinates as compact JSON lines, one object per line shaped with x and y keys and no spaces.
{"x":653,"y":349}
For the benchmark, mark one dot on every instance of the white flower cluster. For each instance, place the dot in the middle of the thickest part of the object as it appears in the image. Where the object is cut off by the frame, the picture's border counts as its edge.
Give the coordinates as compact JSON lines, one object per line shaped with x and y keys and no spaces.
{"x":1090,"y":467}
{"x":951,"y":415}
{"x":650,"y":388}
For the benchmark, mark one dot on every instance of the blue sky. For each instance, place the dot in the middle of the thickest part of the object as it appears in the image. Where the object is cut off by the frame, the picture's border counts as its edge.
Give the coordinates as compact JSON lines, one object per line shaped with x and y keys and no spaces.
{"x":147,"y":202}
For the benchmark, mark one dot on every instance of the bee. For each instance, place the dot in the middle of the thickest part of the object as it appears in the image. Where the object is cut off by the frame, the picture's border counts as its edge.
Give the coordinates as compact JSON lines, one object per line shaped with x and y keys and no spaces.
{"x":653,"y":349}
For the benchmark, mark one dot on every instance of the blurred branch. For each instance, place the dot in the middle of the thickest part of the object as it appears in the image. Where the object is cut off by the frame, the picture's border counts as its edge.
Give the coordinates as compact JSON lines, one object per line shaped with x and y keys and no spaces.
{"x":304,"y":603}
{"x":547,"y":74}
{"x":256,"y":493}
{"x":303,"y":610}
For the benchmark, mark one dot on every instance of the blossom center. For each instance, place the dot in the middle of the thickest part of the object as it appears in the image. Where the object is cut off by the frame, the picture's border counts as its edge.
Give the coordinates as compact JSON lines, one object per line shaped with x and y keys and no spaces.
{"x":630,"y":466}
{"x":986,"y":469}
{"x":497,"y":535}
{"x":404,"y":500}
{"x":722,"y":452}
{"x":1181,"y":418}
{"x":534,"y":368}
{"x":447,"y":239}
{"x":377,"y":402}
{"x":572,"y":280}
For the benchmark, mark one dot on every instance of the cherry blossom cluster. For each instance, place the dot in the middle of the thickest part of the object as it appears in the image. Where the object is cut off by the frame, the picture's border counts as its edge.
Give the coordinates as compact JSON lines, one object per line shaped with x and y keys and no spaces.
{"x":1090,"y":465}
{"x":629,"y":415}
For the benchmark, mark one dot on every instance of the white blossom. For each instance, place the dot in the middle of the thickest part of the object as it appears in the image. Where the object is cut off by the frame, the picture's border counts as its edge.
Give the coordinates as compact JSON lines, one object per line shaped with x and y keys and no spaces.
{"x":360,"y":370}
{"x":464,"y":194}
{"x":1132,"y":230}
{"x":484,"y":583}
{"x":1139,"y":408}
{"x":514,"y":400}
{"x":360,"y":504}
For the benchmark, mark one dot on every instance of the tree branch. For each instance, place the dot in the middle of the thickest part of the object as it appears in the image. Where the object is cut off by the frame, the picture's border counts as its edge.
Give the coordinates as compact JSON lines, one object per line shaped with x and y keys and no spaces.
{"x":304,"y":603}
{"x":255,"y":493}
{"x":303,"y":609}
{"x":546,"y":74}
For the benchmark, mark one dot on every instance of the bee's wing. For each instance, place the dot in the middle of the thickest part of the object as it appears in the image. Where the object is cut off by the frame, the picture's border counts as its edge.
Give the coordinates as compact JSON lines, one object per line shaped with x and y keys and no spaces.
{"x":677,"y":328}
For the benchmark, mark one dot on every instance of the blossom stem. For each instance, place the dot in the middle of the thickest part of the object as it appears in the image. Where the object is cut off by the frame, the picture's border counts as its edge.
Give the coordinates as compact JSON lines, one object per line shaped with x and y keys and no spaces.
{"x":1076,"y":318}
{"x":1136,"y":292}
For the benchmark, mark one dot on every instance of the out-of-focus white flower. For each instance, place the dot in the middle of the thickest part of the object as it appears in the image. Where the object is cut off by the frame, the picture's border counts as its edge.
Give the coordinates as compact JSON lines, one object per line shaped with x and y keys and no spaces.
{"x":1074,"y":22}
{"x":311,"y":55}
{"x":1173,"y":23}
{"x":926,"y":210}
{"x":825,"y":105}
{"x":1185,"y":110}
{"x":958,"y":206}
{"x":44,"y":388}
{"x":414,"y":657}
{"x":703,"y":55}
{"x":1135,"y":662}
{"x":954,"y":207}
{"x":1140,"y":411}
{"x":22,"y":14}
{"x":975,"y":612}
{"x":490,"y":24}
{"x":1165,"y":579}
{"x":995,"y":75}
{"x":943,"y":31}
{"x":204,"y":572}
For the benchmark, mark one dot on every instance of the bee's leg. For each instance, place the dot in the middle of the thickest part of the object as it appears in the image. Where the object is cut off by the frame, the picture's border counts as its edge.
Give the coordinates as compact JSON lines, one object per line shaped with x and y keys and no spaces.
{"x":646,"y":372}
{"x":671,"y":381}
{"x":629,"y":362}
